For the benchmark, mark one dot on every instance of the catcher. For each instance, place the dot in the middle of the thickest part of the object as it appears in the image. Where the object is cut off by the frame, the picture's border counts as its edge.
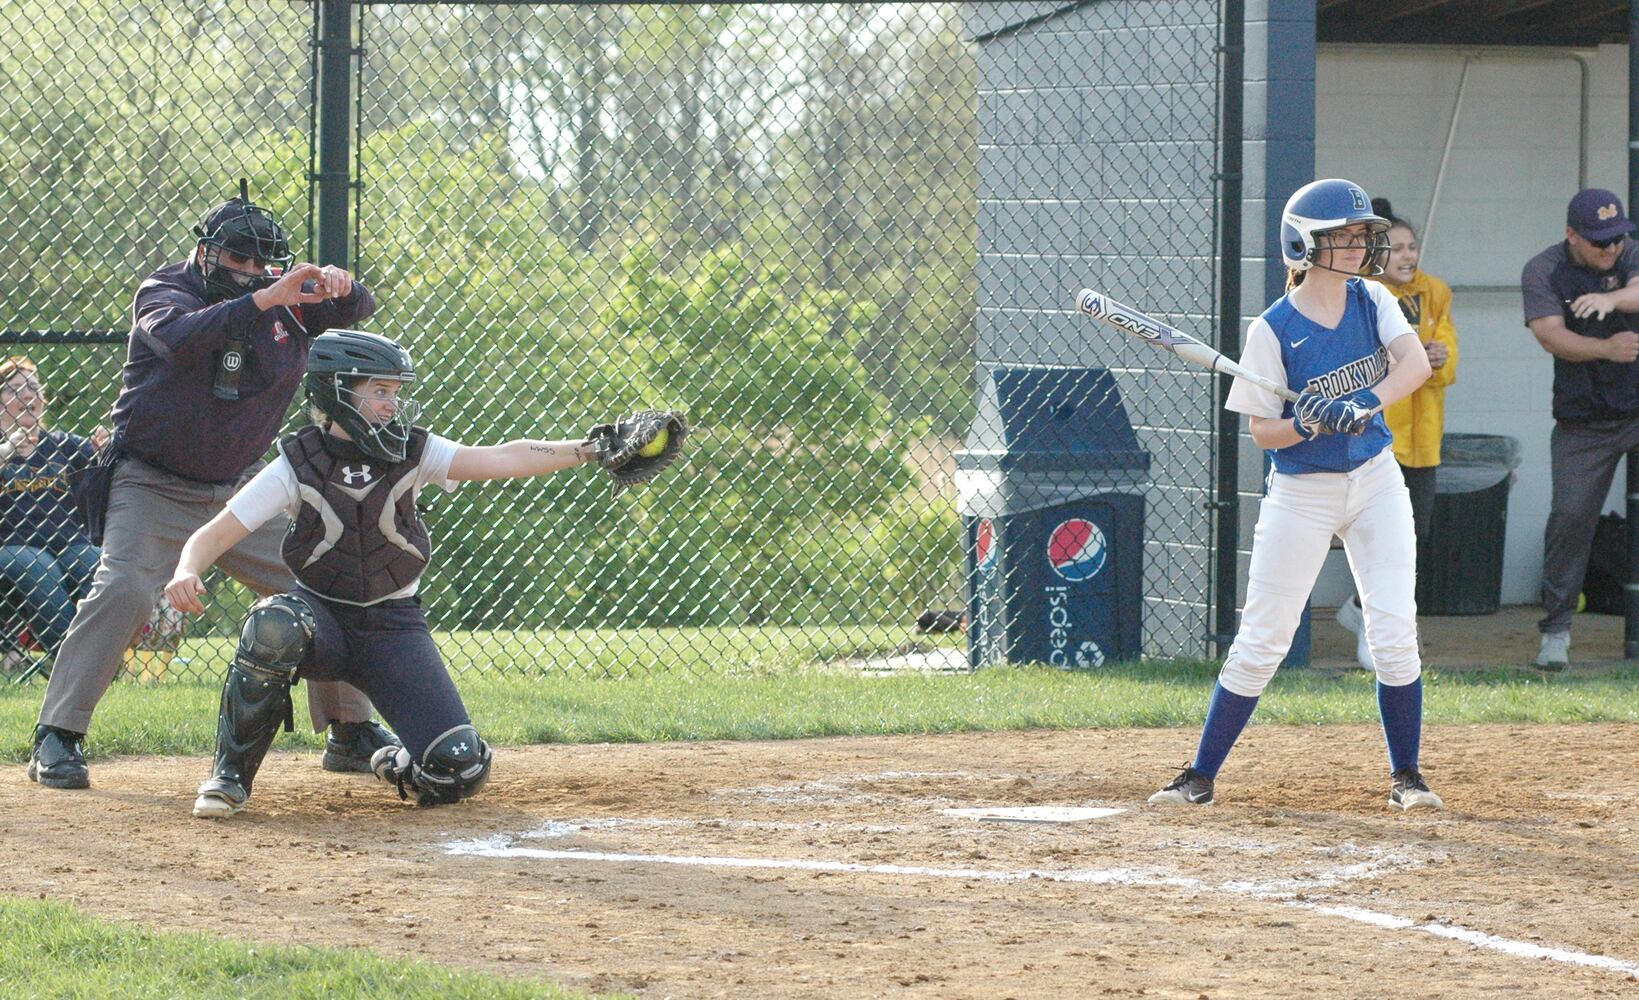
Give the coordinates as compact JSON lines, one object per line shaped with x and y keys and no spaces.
{"x":358,"y":548}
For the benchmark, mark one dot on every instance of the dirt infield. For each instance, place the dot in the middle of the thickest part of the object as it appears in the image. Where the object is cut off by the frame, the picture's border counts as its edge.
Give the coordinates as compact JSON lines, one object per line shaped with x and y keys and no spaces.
{"x":829,"y":868}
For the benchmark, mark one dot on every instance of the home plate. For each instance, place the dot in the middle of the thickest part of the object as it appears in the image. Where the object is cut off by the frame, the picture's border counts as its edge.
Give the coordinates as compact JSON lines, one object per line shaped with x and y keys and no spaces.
{"x":1034,"y":814}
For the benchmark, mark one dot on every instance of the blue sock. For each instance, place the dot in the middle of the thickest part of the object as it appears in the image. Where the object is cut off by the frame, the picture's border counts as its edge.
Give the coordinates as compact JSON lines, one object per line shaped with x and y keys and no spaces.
{"x":1225,"y":719}
{"x":1402,"y":711}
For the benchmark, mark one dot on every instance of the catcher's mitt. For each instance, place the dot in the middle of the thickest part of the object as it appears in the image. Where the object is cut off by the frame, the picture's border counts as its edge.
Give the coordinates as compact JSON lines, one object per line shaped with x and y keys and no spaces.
{"x":620,"y":446}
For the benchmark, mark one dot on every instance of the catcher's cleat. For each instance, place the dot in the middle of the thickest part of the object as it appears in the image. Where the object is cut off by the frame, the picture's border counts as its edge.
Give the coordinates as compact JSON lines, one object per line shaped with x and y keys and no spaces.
{"x":1190,"y":788}
{"x":58,"y":759}
{"x":350,"y":745}
{"x":453,"y":767}
{"x":219,"y":798}
{"x":1412,"y":792}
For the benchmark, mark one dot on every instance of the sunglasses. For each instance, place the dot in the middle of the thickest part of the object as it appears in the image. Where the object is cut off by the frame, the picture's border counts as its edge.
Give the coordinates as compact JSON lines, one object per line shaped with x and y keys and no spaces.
{"x":1604,"y":244}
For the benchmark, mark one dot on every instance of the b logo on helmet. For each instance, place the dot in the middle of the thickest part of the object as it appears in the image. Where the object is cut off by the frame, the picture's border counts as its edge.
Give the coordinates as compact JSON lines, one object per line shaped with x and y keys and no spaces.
{"x":1358,"y":197}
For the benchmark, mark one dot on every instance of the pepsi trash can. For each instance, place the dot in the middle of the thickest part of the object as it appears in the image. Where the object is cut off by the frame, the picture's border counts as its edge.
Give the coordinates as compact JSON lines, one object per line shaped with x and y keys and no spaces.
{"x":1047,"y":485}
{"x":1459,"y":569}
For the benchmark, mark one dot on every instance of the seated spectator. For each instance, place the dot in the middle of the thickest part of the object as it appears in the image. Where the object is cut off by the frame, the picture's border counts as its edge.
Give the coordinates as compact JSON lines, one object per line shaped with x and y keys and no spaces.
{"x":46,"y":561}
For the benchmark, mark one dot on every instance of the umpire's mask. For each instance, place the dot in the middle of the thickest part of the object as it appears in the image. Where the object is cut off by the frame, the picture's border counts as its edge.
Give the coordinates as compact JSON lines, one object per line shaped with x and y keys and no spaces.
{"x":248,"y":231}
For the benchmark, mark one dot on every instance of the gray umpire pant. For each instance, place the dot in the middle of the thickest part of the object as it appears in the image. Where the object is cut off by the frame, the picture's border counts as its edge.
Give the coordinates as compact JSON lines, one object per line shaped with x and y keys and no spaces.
{"x":1584,"y":460}
{"x":151,"y":513}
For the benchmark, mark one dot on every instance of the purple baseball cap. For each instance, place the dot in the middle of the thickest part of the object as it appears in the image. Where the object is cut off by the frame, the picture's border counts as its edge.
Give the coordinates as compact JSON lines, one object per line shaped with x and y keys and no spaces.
{"x":1596,"y":214}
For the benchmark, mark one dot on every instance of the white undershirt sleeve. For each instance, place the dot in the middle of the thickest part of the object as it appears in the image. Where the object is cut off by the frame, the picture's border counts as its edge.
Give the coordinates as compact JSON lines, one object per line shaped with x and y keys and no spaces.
{"x":270,"y":491}
{"x":434,"y":469}
{"x":1261,"y":354}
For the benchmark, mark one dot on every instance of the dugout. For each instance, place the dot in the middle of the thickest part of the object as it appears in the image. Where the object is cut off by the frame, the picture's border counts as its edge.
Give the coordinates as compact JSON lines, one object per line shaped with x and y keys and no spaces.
{"x":1159,"y":178}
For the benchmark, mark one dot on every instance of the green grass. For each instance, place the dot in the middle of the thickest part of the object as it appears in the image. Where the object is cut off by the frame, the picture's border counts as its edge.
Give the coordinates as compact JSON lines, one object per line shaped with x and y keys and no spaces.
{"x":179,"y":718}
{"x":769,"y":649}
{"x":50,"y":950}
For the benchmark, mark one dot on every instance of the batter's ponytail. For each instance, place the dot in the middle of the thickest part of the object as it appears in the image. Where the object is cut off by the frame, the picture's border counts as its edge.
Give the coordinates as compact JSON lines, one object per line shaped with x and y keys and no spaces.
{"x":1382,"y":207}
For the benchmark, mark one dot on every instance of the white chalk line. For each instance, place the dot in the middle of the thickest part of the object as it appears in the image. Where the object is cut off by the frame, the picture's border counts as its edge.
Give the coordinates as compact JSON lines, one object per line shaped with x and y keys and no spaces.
{"x":1479,"y":939}
{"x":1279,"y":890}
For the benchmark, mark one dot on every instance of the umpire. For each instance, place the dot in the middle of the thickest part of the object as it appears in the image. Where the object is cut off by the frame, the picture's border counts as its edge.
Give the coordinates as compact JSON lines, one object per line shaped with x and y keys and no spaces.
{"x":218,"y":348}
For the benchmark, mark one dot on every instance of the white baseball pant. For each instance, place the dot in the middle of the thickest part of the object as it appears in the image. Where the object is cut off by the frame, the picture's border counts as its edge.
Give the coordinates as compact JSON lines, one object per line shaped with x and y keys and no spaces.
{"x":1370,"y":510}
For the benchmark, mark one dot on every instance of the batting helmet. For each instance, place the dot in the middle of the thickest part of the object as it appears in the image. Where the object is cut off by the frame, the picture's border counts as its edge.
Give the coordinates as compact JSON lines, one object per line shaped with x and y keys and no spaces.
{"x":1326,"y":206}
{"x":245,"y":230}
{"x":339,"y":357}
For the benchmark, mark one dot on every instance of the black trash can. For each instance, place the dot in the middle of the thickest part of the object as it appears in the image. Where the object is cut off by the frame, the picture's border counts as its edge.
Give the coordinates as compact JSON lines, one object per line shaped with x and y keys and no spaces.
{"x":1459,"y":572}
{"x":1054,"y":528}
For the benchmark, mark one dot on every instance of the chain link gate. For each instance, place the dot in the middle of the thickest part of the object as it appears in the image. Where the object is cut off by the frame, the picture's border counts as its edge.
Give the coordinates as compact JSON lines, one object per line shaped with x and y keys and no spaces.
{"x":772,"y":216}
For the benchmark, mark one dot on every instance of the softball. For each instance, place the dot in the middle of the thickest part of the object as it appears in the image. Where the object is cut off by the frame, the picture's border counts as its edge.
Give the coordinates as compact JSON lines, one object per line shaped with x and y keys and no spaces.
{"x":656,"y":446}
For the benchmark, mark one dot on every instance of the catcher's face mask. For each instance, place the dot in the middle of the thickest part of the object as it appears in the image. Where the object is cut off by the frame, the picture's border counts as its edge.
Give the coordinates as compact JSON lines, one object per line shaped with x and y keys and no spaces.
{"x":376,"y":415}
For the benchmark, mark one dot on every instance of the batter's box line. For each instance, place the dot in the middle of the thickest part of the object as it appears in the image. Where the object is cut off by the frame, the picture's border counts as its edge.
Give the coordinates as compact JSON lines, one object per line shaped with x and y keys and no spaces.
{"x":1111,"y":876}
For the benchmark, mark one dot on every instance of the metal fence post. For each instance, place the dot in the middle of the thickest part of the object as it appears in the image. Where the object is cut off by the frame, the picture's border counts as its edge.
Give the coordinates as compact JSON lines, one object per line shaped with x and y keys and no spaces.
{"x":334,"y":89}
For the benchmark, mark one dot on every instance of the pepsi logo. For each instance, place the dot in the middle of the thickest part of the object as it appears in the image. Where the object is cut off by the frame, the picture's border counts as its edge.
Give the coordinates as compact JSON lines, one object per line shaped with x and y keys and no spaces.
{"x":984,"y":545}
{"x":1076,"y":550}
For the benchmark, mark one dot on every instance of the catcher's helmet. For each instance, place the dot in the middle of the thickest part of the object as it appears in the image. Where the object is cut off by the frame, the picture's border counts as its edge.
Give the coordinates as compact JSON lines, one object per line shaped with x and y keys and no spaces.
{"x":338,"y":357}
{"x":1326,"y":206}
{"x":247,"y":230}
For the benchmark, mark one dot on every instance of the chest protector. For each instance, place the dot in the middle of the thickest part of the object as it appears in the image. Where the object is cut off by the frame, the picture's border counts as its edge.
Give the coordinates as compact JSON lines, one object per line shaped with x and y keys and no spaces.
{"x":357,"y":536}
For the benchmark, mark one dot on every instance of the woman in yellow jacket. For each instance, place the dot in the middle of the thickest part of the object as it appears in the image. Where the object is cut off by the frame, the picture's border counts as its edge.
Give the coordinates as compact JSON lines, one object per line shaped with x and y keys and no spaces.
{"x":1418,"y":421}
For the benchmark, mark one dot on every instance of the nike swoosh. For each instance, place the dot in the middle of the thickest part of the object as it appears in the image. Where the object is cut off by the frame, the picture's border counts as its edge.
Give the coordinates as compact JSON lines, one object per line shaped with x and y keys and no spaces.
{"x":1300,"y":343}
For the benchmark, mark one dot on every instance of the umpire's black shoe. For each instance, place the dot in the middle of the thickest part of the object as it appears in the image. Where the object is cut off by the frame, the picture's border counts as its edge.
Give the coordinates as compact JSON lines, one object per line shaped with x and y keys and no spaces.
{"x":58,"y":760}
{"x":1190,"y":788}
{"x":351,"y":745}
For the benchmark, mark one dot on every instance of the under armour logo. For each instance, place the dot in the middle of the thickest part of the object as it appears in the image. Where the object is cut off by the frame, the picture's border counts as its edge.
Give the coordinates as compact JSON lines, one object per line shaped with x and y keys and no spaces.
{"x":363,"y":473}
{"x":461,"y":747}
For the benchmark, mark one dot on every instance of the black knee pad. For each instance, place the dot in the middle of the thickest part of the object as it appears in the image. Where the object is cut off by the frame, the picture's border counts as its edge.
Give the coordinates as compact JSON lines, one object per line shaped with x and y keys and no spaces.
{"x":453,"y":767}
{"x":277,"y":637}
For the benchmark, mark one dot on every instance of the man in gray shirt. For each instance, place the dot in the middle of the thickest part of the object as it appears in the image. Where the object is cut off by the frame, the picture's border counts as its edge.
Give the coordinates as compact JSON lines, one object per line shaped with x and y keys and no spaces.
{"x":1582,"y":303}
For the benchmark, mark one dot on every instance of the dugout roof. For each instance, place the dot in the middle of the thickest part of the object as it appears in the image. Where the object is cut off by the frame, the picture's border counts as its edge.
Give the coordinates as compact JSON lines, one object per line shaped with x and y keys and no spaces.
{"x":1474,"y":22}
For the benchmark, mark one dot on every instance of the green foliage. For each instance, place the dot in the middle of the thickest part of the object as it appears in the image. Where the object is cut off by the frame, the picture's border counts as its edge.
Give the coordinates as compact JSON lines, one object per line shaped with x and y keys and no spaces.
{"x":761,"y":213}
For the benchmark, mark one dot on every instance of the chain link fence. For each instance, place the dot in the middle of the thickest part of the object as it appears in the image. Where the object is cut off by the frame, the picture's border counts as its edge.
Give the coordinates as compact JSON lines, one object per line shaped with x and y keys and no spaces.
{"x":808,"y":225}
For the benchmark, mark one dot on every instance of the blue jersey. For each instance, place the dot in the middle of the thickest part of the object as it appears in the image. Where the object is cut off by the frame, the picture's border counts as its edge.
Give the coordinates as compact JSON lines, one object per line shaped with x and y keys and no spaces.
{"x":1288,"y":347}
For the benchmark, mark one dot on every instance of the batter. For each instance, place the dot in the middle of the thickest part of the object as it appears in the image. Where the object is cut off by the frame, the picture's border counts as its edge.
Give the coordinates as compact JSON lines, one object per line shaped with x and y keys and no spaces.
{"x":1342,"y":342}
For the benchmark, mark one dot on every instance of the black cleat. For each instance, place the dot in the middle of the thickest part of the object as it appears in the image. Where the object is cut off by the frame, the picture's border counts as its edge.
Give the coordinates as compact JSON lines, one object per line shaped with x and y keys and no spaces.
{"x":58,"y":759}
{"x":1190,"y":788}
{"x":1411,"y":791}
{"x":350,"y":745}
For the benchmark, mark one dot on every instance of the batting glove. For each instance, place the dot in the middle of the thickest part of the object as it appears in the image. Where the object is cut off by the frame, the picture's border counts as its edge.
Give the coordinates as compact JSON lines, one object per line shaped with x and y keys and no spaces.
{"x":1306,"y":415}
{"x":1362,"y":405}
